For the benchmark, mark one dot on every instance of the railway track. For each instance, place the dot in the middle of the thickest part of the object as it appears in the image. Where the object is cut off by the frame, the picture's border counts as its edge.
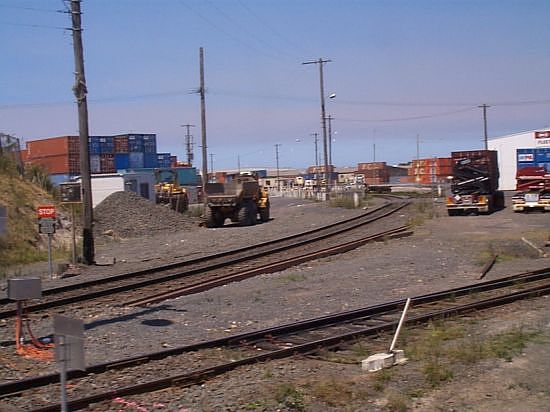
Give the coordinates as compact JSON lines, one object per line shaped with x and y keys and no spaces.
{"x":132,"y":286}
{"x":196,"y":363}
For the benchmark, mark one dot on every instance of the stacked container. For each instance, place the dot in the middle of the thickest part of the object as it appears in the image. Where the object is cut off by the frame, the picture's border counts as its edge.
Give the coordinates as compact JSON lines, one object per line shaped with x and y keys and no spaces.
{"x":58,"y":155}
{"x":374,"y":173}
{"x":432,"y":170}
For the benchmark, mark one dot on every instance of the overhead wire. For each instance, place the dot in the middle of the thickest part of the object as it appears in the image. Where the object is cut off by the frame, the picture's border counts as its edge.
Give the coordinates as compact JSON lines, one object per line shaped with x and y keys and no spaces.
{"x":227,"y":33}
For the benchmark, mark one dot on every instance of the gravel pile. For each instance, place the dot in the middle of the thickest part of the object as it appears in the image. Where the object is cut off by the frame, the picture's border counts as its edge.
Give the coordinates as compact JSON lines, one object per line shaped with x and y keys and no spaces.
{"x":128,"y":215}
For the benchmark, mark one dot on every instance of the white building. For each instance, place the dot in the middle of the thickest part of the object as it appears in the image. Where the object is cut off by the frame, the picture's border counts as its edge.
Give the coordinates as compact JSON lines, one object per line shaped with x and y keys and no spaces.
{"x":506,"y":147}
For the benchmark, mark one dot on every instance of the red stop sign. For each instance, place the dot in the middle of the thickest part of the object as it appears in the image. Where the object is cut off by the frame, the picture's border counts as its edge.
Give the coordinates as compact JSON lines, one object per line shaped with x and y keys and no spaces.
{"x":46,"y":212}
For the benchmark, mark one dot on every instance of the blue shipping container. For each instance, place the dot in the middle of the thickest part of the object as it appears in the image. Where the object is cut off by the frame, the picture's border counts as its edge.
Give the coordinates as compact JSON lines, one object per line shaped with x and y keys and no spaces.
{"x":56,"y":179}
{"x":135,"y":160}
{"x":525,"y":155}
{"x":122,"y":161}
{"x":150,"y":160}
{"x":107,"y":145}
{"x":542,"y":155}
{"x":150,"y":143}
{"x":135,"y":143}
{"x":94,"y":145}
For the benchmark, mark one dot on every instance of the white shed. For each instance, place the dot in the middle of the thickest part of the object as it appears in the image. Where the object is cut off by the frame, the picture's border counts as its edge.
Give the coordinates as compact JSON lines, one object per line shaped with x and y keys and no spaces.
{"x":506,"y":147}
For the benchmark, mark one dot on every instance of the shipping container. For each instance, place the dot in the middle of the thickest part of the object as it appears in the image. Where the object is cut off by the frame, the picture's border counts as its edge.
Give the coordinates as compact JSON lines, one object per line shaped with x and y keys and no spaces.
{"x":95,"y":163}
{"x":74,"y":163}
{"x":94,"y":145}
{"x":121,"y":144}
{"x":136,"y":160}
{"x":150,"y":160}
{"x":135,"y":143}
{"x":150,"y":143}
{"x":107,"y":145}
{"x":173,"y":161}
{"x":163,"y":160}
{"x":53,"y":146}
{"x":371,"y":166}
{"x":122,"y":161}
{"x":107,"y":162}
{"x":486,"y":161}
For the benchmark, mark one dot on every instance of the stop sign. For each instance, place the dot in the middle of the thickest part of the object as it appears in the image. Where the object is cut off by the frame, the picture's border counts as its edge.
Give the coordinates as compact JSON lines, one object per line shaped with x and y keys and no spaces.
{"x":46,"y":212}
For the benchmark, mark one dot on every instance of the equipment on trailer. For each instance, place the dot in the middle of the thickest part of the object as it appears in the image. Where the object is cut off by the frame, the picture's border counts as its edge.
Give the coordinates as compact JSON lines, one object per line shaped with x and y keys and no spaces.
{"x":169,"y":191}
{"x":241,"y":199}
{"x":474,"y":183}
{"x":533,"y":185}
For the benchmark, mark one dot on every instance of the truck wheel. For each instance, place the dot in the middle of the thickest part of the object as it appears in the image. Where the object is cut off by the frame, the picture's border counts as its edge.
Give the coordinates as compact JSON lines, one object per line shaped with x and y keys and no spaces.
{"x":253,"y":213}
{"x":452,"y":212}
{"x":243,"y":215}
{"x":210,"y":218}
{"x":264,"y":213}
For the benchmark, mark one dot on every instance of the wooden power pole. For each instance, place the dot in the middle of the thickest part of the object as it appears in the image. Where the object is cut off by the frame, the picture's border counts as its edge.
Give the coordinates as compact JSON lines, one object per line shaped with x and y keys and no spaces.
{"x":80,"y":92}
{"x":203,"y":127}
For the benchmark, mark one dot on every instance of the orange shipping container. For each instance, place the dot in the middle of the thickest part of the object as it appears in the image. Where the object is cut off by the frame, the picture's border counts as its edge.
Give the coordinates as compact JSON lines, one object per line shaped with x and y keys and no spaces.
{"x":58,"y":164}
{"x":54,"y":146}
{"x":371,"y":166}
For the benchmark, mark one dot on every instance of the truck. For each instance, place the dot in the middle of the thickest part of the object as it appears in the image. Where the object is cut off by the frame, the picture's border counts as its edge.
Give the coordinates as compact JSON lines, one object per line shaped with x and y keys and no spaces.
{"x":533,"y":186}
{"x":169,"y":191}
{"x":474,"y":183}
{"x":241,"y":199}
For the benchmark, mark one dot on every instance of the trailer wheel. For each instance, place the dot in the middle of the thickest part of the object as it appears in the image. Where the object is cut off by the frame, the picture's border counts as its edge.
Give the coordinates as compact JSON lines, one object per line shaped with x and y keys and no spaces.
{"x":253,"y":213}
{"x":452,"y":212}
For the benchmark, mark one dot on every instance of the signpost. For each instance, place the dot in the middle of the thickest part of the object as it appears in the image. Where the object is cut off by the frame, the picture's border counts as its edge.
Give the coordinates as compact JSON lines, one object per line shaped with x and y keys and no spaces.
{"x":69,"y":350}
{"x":46,"y":226}
{"x":3,"y":220}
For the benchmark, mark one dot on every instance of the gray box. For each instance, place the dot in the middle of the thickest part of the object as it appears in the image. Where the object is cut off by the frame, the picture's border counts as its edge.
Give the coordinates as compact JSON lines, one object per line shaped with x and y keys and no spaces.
{"x":63,"y":325}
{"x":70,"y":349}
{"x":27,"y":288}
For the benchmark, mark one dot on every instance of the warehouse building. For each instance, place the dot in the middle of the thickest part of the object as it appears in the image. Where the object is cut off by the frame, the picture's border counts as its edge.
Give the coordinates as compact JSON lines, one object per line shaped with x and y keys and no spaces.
{"x":519,"y":149}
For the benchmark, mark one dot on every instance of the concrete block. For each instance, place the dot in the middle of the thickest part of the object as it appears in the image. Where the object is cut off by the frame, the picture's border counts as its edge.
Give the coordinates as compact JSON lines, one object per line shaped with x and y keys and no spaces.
{"x":377,"y":361}
{"x":383,"y":360}
{"x":105,"y":261}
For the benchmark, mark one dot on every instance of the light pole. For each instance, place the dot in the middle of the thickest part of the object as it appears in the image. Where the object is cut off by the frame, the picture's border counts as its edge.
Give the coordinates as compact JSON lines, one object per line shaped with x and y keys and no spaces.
{"x":315,"y":135}
{"x":277,"y":160}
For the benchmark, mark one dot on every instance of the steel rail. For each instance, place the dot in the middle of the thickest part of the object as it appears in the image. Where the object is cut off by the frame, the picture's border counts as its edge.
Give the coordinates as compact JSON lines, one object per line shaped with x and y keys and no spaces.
{"x":335,"y":230}
{"x":332,"y":342}
{"x":9,"y":389}
{"x":269,"y":268}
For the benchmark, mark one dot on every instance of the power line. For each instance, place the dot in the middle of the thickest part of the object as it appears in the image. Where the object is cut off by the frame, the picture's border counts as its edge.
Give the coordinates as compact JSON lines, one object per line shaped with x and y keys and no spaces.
{"x":6,"y":6}
{"x":228,"y":34}
{"x":251,"y":35}
{"x":429,"y":116}
{"x":35,"y":26}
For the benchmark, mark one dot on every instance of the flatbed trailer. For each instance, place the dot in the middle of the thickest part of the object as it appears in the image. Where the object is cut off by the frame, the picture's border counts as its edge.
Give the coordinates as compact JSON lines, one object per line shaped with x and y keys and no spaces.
{"x":533,"y":186}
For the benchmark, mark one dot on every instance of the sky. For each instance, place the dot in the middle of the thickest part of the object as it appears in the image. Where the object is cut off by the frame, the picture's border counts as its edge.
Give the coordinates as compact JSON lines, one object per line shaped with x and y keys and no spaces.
{"x":408,"y":75}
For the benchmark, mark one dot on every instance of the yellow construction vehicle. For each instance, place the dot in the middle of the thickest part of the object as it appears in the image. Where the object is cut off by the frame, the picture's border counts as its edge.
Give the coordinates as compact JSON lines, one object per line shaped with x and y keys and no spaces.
{"x":169,"y":191}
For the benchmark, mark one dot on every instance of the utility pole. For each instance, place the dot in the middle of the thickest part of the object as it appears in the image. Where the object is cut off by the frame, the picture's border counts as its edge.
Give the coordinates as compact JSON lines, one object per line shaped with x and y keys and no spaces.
{"x":485,"y":138}
{"x":189,"y":144}
{"x":277,"y":159}
{"x":80,"y":92}
{"x":212,"y":164}
{"x":330,"y":139}
{"x":203,"y":127}
{"x":239,"y":163}
{"x":316,"y":161}
{"x":374,"y":145}
{"x":321,"y":62}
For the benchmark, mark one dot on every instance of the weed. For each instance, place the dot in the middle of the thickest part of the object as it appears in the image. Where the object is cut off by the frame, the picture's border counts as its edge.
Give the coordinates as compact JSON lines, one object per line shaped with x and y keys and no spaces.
{"x":293,"y":277}
{"x":256,"y":405}
{"x":435,"y":372}
{"x":333,"y":392}
{"x":397,"y":402}
{"x":288,"y":395}
{"x":381,"y":379}
{"x":509,"y":344}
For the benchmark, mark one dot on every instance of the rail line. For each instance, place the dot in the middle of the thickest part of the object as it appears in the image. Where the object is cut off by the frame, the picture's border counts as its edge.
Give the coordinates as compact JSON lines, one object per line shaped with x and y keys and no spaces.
{"x":151,"y":281}
{"x":207,"y":359}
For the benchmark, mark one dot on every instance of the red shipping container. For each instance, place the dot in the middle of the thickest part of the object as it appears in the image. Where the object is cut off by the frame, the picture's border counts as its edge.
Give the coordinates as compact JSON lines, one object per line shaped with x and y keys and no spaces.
{"x":107,"y":163}
{"x":371,"y":166}
{"x":121,"y":144}
{"x":58,"y":164}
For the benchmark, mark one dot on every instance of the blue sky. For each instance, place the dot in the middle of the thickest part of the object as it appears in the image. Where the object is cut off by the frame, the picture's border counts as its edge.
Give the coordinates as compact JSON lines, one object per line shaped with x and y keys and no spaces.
{"x":400,"y":69}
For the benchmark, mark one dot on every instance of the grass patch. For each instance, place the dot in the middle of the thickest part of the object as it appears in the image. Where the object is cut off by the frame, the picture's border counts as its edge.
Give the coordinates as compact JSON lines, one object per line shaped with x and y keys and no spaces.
{"x":381,"y":378}
{"x":397,"y":402}
{"x":289,"y":396}
{"x":292,"y":277}
{"x":333,"y":392}
{"x":346,"y":201}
